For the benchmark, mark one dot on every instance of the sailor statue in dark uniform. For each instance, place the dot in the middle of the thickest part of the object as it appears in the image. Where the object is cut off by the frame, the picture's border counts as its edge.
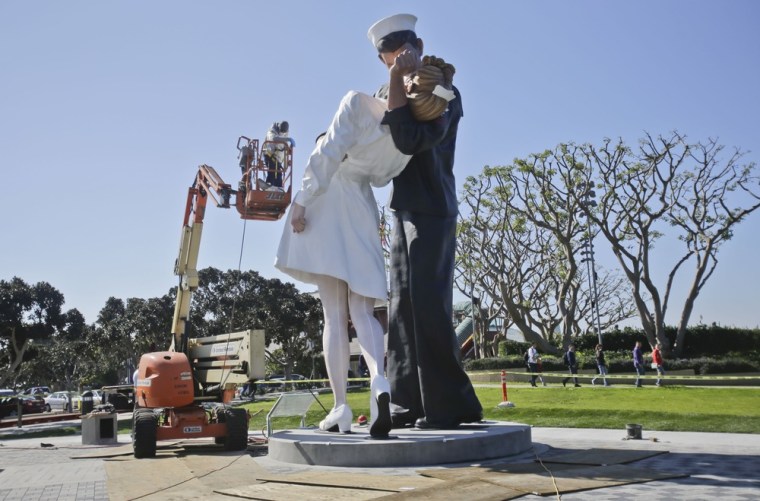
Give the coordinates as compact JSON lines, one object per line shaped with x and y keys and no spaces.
{"x":428,"y":384}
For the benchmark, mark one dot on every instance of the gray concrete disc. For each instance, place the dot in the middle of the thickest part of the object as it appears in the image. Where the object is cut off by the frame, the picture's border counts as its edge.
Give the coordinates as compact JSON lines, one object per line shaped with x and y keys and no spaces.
{"x":405,"y":447}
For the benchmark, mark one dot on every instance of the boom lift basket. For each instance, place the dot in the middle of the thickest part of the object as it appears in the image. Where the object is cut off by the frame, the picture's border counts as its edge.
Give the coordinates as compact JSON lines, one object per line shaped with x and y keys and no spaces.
{"x":255,"y":199}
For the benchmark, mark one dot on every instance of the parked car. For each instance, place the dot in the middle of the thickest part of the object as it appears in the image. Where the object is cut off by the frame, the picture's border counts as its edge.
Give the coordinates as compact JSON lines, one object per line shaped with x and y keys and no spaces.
{"x":274,"y":383}
{"x":8,"y":406}
{"x":29,"y":405}
{"x":59,"y":401}
{"x":33,"y":404}
{"x":6,"y":392}
{"x":97,"y":397}
{"x":37,"y":390}
{"x":122,"y":397}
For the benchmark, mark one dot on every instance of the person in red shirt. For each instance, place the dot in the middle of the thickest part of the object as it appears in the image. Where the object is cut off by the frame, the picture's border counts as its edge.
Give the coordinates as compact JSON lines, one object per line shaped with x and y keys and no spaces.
{"x":657,"y":363}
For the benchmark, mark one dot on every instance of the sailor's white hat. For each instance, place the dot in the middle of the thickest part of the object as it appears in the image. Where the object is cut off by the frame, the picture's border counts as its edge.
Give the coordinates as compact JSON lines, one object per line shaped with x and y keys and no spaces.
{"x":390,"y":24}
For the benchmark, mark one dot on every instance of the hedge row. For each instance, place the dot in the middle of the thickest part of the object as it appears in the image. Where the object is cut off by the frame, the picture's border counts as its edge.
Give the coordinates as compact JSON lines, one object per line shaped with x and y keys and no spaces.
{"x":700,"y":341}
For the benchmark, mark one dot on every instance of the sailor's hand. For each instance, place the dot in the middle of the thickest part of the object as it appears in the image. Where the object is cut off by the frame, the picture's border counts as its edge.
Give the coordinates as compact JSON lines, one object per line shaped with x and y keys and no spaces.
{"x":407,"y":61}
{"x":297,"y":218}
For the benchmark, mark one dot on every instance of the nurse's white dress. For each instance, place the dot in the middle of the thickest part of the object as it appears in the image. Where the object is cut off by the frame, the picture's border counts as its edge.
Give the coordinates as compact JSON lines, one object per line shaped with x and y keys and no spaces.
{"x":341,"y":238}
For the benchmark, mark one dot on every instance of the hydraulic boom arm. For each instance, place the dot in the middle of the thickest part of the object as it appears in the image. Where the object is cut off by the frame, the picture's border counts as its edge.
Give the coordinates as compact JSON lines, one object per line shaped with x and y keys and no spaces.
{"x":251,"y":202}
{"x":207,"y":182}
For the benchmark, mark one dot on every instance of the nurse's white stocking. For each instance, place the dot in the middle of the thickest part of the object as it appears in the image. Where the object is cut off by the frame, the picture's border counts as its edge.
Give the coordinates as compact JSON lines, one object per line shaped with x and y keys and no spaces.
{"x":333,"y":293}
{"x":370,"y":335}
{"x":368,"y":331}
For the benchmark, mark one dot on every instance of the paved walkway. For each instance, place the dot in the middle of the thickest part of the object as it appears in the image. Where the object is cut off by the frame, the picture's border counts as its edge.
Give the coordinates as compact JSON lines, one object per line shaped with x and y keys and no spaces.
{"x":721,"y":466}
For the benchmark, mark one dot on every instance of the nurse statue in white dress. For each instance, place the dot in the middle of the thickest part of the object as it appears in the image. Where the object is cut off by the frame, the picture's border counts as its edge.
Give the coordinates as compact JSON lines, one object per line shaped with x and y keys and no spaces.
{"x":334,"y":243}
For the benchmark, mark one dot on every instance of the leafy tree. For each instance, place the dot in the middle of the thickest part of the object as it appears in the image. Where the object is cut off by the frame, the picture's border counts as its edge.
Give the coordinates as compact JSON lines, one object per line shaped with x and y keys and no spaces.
{"x":28,"y":313}
{"x":291,"y":319}
{"x":111,"y":341}
{"x":124,"y":331}
{"x":668,"y":183}
{"x":615,"y":303}
{"x":232,"y":301}
{"x":67,"y":360}
{"x":149,"y":322}
{"x":520,"y":242}
{"x":490,"y":256}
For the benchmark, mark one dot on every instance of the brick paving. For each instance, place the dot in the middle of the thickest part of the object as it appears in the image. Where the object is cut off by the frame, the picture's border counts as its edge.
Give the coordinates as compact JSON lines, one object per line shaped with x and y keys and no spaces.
{"x":721,"y":466}
{"x":36,"y":473}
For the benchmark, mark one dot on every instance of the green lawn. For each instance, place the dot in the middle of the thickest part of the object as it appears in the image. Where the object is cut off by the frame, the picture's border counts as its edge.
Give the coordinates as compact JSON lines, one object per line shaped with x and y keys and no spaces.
{"x":671,"y":408}
{"x":674,"y":408}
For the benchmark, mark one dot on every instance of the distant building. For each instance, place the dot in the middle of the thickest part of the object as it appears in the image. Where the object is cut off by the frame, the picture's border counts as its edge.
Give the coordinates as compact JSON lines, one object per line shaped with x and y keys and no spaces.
{"x":463,"y":328}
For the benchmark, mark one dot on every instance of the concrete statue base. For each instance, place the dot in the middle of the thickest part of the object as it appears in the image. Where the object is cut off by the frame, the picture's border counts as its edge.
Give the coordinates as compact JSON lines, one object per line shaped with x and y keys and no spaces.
{"x":405,"y":447}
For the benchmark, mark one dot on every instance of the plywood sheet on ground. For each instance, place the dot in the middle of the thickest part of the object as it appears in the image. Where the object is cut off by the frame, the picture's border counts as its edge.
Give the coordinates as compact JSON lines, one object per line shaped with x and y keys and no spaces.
{"x":577,"y":479}
{"x":602,"y":456}
{"x":223,"y":470}
{"x":109,"y":452}
{"x":160,"y":478}
{"x":479,"y":471}
{"x":192,"y":448}
{"x":471,"y":489}
{"x":170,"y":453}
{"x":275,"y":491}
{"x":388,"y":483}
{"x":123,"y":450}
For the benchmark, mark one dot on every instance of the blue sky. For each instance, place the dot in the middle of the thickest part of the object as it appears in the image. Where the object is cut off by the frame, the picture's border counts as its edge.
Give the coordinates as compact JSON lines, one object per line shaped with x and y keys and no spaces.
{"x":107,"y":109}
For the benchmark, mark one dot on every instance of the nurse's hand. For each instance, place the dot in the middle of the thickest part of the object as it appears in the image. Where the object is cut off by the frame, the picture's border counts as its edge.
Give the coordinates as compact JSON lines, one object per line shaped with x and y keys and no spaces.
{"x":406,"y":61}
{"x":297,"y":218}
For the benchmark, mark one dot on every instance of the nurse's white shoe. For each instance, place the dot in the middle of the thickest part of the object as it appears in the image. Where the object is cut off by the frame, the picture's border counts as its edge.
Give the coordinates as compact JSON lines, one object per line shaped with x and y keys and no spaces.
{"x":380,"y":407}
{"x":339,"y":419}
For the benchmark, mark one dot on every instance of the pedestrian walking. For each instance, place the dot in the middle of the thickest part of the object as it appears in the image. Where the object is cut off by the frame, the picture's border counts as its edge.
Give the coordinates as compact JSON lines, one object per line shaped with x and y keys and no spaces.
{"x":601,"y":365}
{"x":540,"y":369}
{"x":638,"y":363}
{"x":657,"y":363}
{"x":572,"y":366}
{"x":533,"y":364}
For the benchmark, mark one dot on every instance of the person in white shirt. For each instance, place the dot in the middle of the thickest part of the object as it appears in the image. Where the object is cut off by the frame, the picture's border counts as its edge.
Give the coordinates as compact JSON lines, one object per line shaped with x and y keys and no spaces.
{"x":274,"y":153}
{"x":533,"y":364}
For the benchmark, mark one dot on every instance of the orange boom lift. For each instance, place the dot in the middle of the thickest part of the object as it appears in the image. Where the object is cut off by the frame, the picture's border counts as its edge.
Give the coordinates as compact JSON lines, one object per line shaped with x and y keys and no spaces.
{"x":185,"y":392}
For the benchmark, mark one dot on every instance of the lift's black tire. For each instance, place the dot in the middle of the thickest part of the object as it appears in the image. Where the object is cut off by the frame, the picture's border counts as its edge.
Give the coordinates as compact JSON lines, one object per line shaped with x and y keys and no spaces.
{"x":222,"y":417}
{"x":144,"y":424}
{"x":237,"y":430}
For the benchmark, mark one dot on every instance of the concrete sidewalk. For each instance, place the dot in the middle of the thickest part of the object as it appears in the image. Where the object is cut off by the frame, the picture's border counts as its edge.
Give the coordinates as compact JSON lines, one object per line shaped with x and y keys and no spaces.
{"x":721,"y":466}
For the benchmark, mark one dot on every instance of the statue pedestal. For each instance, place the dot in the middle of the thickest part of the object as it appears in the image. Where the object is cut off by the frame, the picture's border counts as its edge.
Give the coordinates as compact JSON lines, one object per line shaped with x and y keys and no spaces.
{"x":406,"y":447}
